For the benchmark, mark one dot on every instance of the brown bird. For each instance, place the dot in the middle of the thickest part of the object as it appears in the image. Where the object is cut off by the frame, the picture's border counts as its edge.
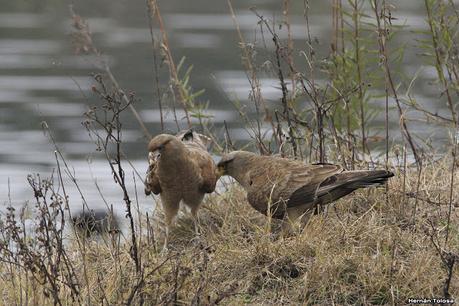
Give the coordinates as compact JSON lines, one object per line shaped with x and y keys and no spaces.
{"x":285,"y":188}
{"x":180,"y":169}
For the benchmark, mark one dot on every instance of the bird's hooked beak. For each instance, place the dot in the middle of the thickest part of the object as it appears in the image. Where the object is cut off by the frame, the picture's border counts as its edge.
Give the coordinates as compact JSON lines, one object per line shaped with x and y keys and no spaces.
{"x":156,"y":153}
{"x":154,"y":156}
{"x":156,"y":150}
{"x":222,"y":166}
{"x":221,"y":171}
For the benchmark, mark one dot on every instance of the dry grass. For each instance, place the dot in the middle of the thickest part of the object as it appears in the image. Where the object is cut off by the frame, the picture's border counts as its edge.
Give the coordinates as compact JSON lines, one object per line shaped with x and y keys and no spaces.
{"x":364,"y":250}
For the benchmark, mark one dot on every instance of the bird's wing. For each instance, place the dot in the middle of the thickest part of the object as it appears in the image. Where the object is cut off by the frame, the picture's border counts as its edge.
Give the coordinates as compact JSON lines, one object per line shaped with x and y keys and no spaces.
{"x":206,"y":164}
{"x":152,"y":179}
{"x":305,"y":181}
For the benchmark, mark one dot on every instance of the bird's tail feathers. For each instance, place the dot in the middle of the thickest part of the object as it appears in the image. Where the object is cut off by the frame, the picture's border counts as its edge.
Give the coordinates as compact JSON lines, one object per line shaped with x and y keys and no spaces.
{"x":344,"y":183}
{"x":366,"y":178}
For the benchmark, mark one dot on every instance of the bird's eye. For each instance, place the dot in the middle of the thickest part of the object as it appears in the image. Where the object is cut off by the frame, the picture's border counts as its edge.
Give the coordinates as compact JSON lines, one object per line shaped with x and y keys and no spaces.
{"x":251,"y":183}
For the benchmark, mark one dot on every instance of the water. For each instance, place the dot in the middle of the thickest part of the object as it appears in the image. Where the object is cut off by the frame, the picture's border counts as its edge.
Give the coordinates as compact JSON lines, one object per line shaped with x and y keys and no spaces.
{"x":41,"y":79}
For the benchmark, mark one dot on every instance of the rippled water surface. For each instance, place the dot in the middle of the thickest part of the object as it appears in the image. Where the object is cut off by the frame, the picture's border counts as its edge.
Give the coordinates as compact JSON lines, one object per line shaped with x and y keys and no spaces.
{"x":41,"y":79}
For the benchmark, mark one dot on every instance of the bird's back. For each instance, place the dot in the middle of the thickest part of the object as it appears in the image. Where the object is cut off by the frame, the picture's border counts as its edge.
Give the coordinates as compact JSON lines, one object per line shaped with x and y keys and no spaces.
{"x":275,"y":179}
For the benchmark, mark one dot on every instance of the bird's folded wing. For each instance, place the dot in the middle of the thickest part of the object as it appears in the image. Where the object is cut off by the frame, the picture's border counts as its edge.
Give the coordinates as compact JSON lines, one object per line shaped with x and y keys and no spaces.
{"x":305,"y":182}
{"x":270,"y":181}
{"x":207,"y":167}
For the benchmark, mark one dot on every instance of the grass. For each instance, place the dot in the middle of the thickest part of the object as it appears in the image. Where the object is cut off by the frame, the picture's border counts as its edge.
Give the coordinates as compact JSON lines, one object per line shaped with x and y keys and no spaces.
{"x":364,"y":250}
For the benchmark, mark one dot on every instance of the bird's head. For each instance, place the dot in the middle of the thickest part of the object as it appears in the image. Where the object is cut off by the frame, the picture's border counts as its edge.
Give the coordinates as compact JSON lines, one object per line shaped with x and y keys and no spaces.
{"x":161,"y":143}
{"x":234,"y":163}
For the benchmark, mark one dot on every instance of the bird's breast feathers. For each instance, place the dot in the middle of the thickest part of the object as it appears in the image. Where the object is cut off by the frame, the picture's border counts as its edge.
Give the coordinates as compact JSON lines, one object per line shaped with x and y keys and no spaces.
{"x":190,"y":173}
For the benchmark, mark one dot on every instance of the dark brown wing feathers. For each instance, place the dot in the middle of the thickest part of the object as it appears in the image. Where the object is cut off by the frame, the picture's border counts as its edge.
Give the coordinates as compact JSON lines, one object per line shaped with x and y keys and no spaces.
{"x":307,"y":193}
{"x":337,"y":186}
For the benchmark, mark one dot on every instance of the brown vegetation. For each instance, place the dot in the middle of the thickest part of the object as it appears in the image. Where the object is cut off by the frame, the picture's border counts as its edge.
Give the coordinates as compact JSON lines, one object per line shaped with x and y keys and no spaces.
{"x":364,"y":250}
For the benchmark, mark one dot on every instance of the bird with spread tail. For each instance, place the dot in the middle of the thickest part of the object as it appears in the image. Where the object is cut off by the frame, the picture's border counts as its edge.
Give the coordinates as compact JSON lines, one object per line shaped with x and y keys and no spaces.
{"x":180,"y":170}
{"x":289,"y":189}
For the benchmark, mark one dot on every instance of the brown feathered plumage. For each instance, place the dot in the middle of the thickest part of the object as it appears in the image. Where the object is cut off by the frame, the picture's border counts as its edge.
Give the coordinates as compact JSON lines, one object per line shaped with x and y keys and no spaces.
{"x":196,"y":142}
{"x":180,"y":169}
{"x":290,"y":188}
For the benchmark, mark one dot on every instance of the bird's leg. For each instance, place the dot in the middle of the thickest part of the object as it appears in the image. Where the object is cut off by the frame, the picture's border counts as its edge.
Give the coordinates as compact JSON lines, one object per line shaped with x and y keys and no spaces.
{"x":169,"y":221}
{"x":166,"y":241}
{"x":170,"y":211}
{"x":197,"y":241}
{"x":286,"y":227}
{"x":296,"y":219}
{"x":305,"y":219}
{"x":194,"y":213}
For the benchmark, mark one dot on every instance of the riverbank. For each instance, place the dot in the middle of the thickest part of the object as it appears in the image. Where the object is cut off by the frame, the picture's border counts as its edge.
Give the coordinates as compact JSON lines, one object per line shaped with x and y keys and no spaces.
{"x":368,"y":248}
